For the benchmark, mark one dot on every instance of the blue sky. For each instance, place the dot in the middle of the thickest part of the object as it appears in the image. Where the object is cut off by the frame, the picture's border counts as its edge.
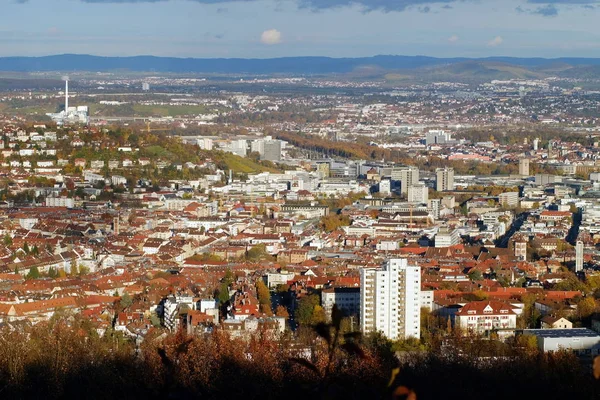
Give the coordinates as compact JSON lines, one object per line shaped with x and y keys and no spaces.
{"x":276,"y":28}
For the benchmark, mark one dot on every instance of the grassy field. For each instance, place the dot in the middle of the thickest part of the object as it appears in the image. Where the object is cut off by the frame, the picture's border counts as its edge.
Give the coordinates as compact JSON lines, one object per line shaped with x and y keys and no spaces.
{"x":244,"y":165}
{"x":27,"y":110}
{"x":141,"y":110}
{"x":170,"y":111}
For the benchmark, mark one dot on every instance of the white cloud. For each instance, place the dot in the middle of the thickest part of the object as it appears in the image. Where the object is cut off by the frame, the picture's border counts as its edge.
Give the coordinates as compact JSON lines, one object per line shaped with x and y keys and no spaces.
{"x":453,"y":39}
{"x":497,"y":41}
{"x":270,"y":37}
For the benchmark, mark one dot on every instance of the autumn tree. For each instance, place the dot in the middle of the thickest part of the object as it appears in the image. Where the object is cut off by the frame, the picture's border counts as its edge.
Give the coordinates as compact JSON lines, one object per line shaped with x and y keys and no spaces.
{"x":281,"y":311}
{"x":264,"y":297}
{"x":309,"y":310}
{"x":333,"y":222}
{"x":586,"y":307}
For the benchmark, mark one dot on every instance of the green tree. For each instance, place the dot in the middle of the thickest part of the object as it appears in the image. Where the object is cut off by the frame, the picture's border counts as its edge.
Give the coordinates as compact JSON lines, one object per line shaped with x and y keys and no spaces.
{"x":305,"y":312}
{"x":475,"y":275}
{"x":126,"y":301}
{"x":223,"y":293}
{"x":26,"y":248}
{"x":7,"y":240}
{"x":34,"y":273}
{"x":257,"y":253}
{"x":571,"y":283}
{"x":155,"y":320}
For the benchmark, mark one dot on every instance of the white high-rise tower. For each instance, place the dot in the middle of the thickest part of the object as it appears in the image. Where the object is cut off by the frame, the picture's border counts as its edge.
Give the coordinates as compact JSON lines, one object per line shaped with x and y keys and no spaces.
{"x":390,"y":300}
{"x":579,"y":256}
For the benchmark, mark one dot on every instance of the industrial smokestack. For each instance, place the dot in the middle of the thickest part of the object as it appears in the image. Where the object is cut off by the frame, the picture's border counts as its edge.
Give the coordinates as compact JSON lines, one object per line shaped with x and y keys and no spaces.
{"x":66,"y":78}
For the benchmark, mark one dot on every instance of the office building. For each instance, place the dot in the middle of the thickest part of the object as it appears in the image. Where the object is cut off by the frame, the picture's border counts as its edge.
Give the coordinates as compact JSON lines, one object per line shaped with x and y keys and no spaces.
{"x":447,"y":237}
{"x":238,"y":147}
{"x":508,"y":199}
{"x":547,"y":179}
{"x":437,"y":137}
{"x":444,"y":179}
{"x":407,"y":176}
{"x":390,"y":299}
{"x":272,"y":150}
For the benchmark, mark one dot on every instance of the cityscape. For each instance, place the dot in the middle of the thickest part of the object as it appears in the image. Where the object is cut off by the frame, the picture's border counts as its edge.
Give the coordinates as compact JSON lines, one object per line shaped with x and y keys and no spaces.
{"x":284,"y":226}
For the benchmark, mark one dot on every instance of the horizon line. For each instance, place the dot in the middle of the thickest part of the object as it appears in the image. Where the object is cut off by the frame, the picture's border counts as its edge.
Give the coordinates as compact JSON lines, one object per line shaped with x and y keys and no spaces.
{"x":307,"y":56}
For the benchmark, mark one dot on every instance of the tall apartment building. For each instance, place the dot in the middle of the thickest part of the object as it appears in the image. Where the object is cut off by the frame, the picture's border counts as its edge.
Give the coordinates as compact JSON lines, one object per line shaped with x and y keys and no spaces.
{"x":390,"y":299}
{"x":524,"y":167}
{"x":407,"y":176}
{"x":267,"y":148}
{"x":444,"y":179}
{"x":579,"y":256}
{"x":272,"y":150}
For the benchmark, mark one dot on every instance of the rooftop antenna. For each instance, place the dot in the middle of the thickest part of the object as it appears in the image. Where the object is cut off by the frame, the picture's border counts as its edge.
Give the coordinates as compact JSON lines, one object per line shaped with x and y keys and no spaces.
{"x":66,"y":79}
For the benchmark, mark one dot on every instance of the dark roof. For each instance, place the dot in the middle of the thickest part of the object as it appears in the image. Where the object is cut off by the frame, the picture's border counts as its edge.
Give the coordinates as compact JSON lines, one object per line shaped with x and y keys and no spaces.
{"x":558,"y":333}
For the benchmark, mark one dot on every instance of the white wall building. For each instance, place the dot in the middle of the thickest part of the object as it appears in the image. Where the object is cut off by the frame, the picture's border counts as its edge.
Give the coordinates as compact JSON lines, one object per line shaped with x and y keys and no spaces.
{"x":385,"y":187}
{"x":418,"y":193}
{"x":390,"y":299}
{"x":579,"y":256}
{"x":60,"y":202}
{"x":481,"y":317}
{"x":447,"y":238}
{"x":444,"y":179}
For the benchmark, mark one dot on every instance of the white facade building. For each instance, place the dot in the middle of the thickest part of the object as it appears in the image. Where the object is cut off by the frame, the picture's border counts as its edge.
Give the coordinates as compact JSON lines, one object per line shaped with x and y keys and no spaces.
{"x":60,"y":202}
{"x":444,"y":179}
{"x":579,"y":256}
{"x":418,"y":193}
{"x":479,"y":317}
{"x":447,"y":238}
{"x":390,"y":299}
{"x":385,"y":187}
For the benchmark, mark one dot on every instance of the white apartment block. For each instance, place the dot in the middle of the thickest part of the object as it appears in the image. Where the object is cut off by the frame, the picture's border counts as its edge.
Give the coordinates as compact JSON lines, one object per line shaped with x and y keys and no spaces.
{"x":418,"y":193}
{"x":390,"y":299}
{"x":444,"y":179}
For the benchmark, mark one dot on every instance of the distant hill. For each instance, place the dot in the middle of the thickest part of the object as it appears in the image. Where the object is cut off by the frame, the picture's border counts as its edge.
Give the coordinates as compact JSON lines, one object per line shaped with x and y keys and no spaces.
{"x":492,"y":67}
{"x":468,"y":71}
